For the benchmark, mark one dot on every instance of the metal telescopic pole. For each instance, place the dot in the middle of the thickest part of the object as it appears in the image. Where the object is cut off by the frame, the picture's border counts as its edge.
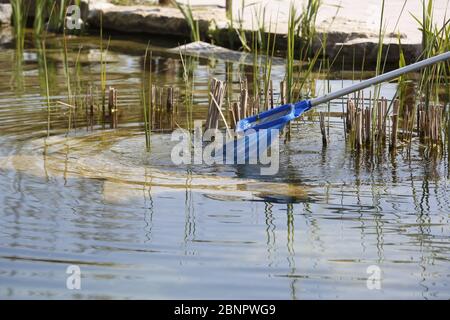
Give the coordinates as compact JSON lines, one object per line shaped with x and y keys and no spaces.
{"x":380,"y":79}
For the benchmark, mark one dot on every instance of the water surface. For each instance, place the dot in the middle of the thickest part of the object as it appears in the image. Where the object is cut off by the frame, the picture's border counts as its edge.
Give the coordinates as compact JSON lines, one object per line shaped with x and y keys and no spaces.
{"x":140,"y":227}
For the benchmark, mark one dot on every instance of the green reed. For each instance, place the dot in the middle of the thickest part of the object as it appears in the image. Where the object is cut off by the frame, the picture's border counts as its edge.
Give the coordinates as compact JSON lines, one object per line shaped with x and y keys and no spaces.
{"x":255,"y":68}
{"x":147,"y":106}
{"x":435,"y":40}
{"x":290,"y":52}
{"x":229,"y":10}
{"x":402,"y":80}
{"x":260,"y":19}
{"x":268,"y":60}
{"x":77,"y":98}
{"x":57,"y":20}
{"x":307,"y":26}
{"x":301,"y":28}
{"x":186,"y":11}
{"x":42,"y":51}
{"x":41,"y":8}
{"x":67,"y":77}
{"x":103,"y":72}
{"x":240,"y":30}
{"x":19,"y":20}
{"x":188,"y":78}
{"x":381,"y":35}
{"x":47,"y":87}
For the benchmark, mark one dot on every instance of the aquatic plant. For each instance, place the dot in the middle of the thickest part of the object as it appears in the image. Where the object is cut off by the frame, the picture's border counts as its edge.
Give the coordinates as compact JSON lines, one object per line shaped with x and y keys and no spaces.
{"x":19,"y":20}
{"x":229,"y":10}
{"x":301,"y":27}
{"x":240,"y":30}
{"x":147,"y":107}
{"x":103,"y":64}
{"x":58,"y":18}
{"x":382,"y":59}
{"x":307,"y":25}
{"x":41,"y":8}
{"x":259,"y":17}
{"x":47,"y":87}
{"x":402,"y":80}
{"x":77,"y":97}
{"x":381,"y":35}
{"x":187,"y":64}
{"x":290,"y":52}
{"x":67,"y":78}
{"x":256,"y":69}
{"x":435,"y":40}
{"x":186,"y":10}
{"x":268,"y":60}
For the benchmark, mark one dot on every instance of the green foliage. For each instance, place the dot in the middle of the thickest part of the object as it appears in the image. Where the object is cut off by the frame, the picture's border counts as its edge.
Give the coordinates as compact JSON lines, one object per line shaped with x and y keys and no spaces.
{"x":186,"y":10}
{"x":41,"y":10}
{"x":435,"y":40}
{"x":301,"y":27}
{"x":58,"y":15}
{"x":147,"y":105}
{"x":19,"y":20}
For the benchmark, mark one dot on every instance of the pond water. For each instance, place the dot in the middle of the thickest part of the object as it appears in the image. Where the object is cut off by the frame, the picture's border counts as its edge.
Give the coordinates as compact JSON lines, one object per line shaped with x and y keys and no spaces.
{"x":140,"y":227}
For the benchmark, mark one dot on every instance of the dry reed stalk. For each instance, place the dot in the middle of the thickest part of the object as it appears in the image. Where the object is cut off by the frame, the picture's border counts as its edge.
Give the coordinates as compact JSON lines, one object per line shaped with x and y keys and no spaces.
{"x":243,"y":99}
{"x":380,"y":122}
{"x":359,"y":129}
{"x":422,"y":124}
{"x":170,"y":107}
{"x":283,"y":92}
{"x":217,"y":91}
{"x":271,"y":94}
{"x":112,"y":107}
{"x":89,"y":110}
{"x":395,"y":112}
{"x":221,"y":114}
{"x":234,"y":114}
{"x":86,"y":108}
{"x":161,"y":107}
{"x":410,"y":127}
{"x":349,"y":115}
{"x":323,"y":129}
{"x":153,"y":111}
{"x":367,"y":123}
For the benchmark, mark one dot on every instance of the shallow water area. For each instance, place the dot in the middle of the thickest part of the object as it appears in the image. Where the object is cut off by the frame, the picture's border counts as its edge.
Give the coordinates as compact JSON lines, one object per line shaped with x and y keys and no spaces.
{"x":139,"y":226}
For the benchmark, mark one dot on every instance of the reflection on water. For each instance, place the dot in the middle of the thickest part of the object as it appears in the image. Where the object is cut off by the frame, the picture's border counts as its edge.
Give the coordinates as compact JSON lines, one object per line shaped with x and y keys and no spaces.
{"x":140,"y":227}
